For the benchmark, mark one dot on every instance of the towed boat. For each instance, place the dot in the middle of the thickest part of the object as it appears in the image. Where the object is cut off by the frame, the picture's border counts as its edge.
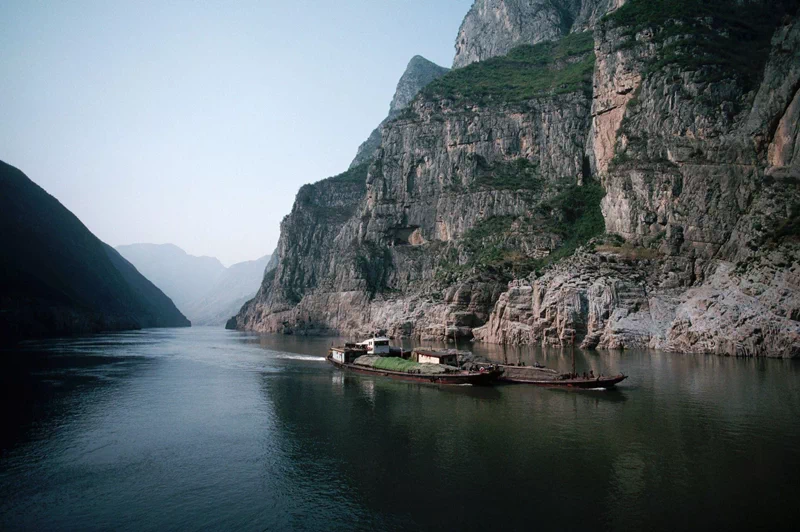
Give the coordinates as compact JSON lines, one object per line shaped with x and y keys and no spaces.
{"x":374,"y":357}
{"x":542,"y":376}
{"x":549,"y":377}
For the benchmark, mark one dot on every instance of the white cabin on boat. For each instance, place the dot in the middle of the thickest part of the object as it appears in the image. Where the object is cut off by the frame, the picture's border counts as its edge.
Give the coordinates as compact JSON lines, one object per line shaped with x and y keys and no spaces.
{"x":435,"y":357}
{"x":345,"y":355}
{"x":376,"y":346}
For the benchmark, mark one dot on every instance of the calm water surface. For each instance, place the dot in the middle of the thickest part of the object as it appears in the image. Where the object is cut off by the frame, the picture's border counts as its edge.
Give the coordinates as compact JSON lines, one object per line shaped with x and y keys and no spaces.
{"x":211,"y":429}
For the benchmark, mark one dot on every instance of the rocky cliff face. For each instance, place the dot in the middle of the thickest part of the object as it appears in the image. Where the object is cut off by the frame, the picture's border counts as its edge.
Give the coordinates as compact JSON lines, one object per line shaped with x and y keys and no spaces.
{"x":418,"y":74}
{"x":707,"y":210}
{"x":682,"y":117}
{"x":393,"y":244}
{"x":495,"y":27}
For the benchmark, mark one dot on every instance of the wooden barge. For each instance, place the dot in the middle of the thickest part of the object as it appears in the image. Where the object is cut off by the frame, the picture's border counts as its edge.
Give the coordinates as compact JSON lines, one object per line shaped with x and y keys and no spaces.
{"x":552,"y":378}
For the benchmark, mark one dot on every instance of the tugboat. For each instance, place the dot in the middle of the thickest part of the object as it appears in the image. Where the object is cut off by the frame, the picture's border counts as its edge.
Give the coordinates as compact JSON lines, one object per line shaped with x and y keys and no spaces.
{"x":376,"y":357}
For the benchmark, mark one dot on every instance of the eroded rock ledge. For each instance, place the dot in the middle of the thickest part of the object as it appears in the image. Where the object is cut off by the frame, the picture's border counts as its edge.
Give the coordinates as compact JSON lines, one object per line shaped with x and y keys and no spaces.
{"x":614,"y":299}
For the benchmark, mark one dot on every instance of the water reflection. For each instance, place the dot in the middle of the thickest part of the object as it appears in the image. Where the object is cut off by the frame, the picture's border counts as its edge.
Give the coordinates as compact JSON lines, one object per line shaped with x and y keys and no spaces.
{"x":624,"y":459}
{"x":215,"y":429}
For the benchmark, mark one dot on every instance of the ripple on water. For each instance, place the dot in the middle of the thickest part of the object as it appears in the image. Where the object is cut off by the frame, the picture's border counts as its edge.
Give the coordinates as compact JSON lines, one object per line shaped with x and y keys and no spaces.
{"x":207,"y":428}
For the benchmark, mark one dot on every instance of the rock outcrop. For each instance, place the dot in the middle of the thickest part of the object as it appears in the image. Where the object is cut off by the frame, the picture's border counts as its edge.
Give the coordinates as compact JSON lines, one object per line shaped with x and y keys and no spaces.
{"x":617,"y":299}
{"x":683,"y":119}
{"x":495,"y":27}
{"x":57,"y":278}
{"x":418,"y":74}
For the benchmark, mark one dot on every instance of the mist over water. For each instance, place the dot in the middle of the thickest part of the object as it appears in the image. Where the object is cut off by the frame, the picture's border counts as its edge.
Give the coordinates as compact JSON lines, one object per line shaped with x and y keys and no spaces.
{"x":211,"y":429}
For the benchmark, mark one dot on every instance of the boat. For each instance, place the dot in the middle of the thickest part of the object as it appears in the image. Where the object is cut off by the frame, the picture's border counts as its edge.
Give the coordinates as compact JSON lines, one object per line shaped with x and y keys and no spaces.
{"x":541,"y":376}
{"x":377,"y":351}
{"x":549,"y":377}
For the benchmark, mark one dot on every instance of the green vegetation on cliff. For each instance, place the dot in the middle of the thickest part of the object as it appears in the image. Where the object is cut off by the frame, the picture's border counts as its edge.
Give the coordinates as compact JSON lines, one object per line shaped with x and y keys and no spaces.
{"x":342,"y":191}
{"x":518,"y":174}
{"x":718,"y":37}
{"x":356,"y":175}
{"x":527,"y":72}
{"x":495,"y":245}
{"x":576,"y":216}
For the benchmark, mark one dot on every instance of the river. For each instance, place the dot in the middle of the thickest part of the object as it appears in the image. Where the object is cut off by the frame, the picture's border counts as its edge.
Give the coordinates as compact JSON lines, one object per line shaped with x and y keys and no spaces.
{"x":207,"y":429}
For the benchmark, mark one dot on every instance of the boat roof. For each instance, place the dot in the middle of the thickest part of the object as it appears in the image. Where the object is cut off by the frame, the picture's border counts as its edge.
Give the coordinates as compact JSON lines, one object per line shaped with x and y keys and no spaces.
{"x":376,"y":339}
{"x":437,"y":354}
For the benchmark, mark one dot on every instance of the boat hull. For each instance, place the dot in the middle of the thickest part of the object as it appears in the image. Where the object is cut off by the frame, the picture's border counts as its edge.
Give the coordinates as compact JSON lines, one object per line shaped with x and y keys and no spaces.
{"x":474,"y":378}
{"x":600,"y":382}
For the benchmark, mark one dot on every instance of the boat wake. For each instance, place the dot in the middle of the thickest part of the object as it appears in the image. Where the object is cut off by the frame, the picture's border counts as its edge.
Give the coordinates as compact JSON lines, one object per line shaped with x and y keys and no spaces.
{"x":307,"y":358}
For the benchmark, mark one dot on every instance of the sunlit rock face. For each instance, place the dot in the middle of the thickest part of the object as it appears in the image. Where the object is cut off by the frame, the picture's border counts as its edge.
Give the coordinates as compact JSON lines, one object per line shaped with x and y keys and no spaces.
{"x":494,"y":27}
{"x":700,"y":180}
{"x":364,"y":255}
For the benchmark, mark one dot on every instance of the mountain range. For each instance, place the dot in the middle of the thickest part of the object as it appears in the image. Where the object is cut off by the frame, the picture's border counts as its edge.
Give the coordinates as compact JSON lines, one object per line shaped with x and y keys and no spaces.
{"x":205,"y":290}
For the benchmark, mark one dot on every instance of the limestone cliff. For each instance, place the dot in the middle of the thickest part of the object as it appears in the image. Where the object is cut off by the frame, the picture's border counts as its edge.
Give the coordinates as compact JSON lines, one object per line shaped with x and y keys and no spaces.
{"x":662,"y":144}
{"x":495,"y":27}
{"x":398,"y":244}
{"x":418,"y":74}
{"x":685,"y":143}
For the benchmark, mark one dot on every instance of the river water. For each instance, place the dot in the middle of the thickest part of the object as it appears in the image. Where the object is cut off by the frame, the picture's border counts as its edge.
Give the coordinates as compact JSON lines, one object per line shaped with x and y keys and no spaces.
{"x":209,"y":429}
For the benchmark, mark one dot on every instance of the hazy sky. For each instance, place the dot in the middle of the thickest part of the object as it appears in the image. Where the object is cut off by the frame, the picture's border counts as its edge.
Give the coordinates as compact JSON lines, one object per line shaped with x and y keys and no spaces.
{"x":196,"y":122}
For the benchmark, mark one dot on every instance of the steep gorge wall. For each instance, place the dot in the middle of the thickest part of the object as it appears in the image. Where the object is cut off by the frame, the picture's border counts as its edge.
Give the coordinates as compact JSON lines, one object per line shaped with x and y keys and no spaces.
{"x":698,"y":157}
{"x":57,"y":278}
{"x":376,"y":259}
{"x":372,"y":271}
{"x":709,"y":212}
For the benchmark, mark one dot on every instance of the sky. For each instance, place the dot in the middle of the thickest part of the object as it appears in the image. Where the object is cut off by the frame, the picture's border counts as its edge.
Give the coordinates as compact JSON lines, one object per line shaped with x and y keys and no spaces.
{"x":196,"y":122}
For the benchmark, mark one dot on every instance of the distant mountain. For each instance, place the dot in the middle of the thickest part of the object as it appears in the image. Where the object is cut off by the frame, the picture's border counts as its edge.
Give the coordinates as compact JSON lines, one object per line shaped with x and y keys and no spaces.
{"x":57,"y":278}
{"x":204,"y":289}
{"x":180,"y":275}
{"x":235,"y":286}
